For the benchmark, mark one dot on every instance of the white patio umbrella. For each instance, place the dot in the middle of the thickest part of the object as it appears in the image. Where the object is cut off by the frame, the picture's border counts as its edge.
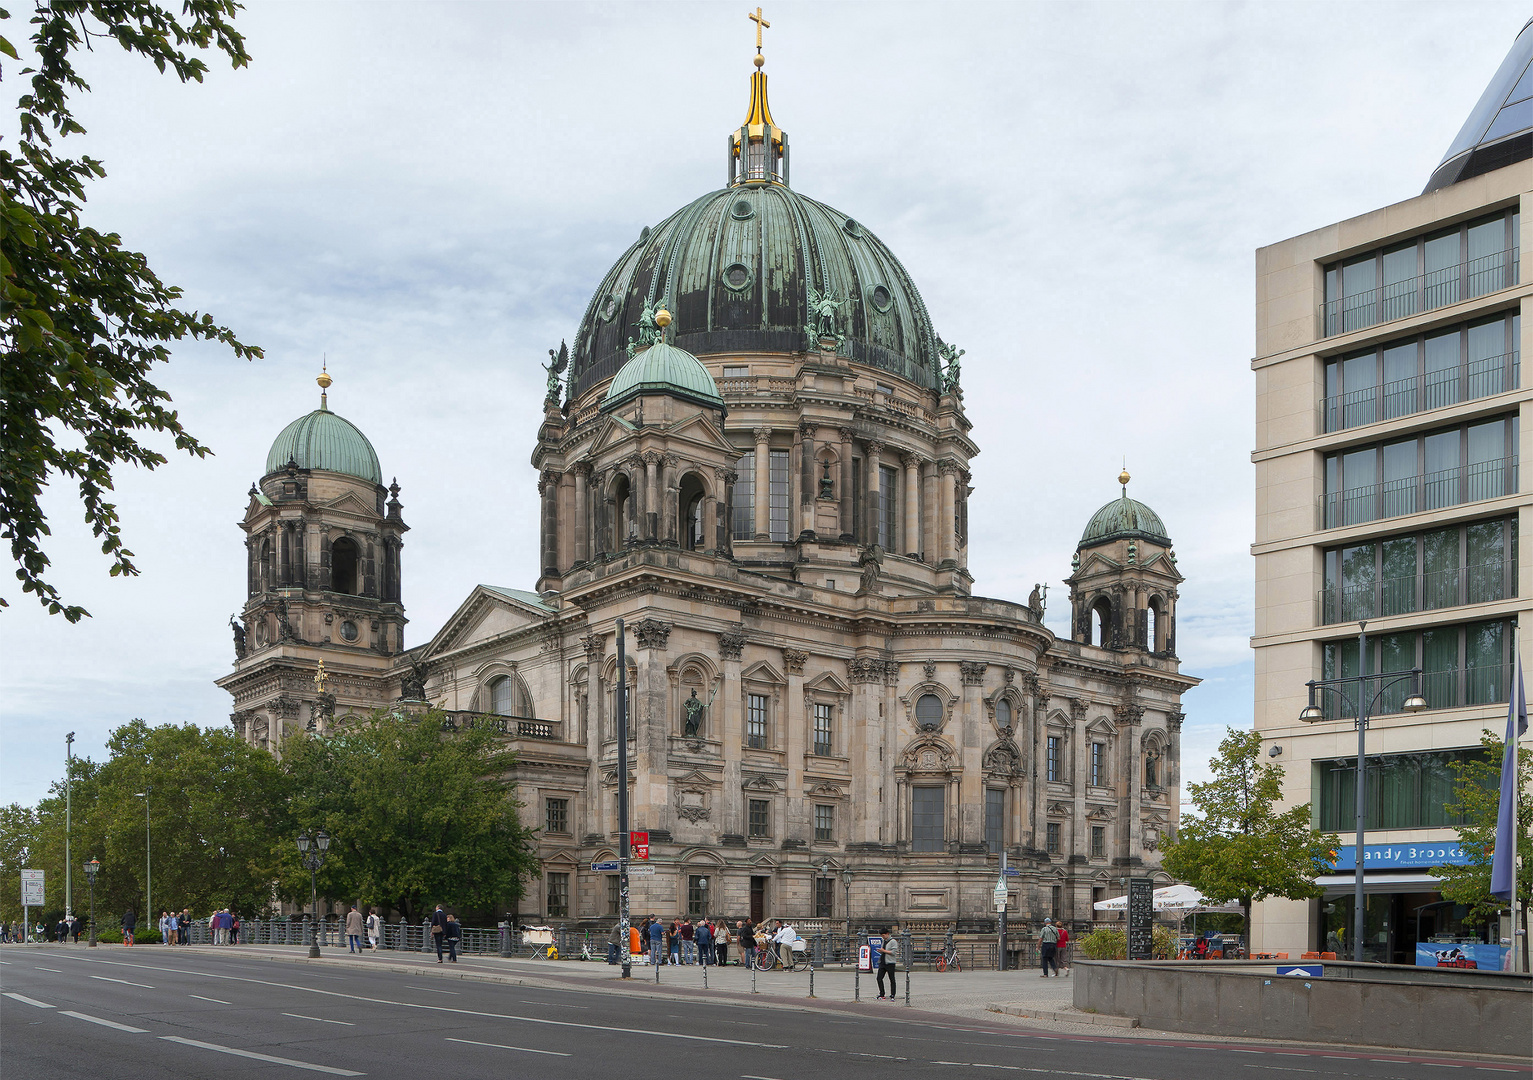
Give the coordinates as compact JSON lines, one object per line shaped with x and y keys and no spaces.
{"x":1183,"y":899}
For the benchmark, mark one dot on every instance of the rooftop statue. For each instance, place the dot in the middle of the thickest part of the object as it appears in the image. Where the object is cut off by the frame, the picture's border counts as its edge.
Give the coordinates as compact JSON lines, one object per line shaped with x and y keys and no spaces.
{"x":949,"y":354}
{"x":557,"y":362}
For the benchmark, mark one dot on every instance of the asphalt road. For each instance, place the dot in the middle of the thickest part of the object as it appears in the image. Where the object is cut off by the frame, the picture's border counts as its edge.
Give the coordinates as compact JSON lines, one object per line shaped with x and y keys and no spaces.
{"x":154,"y":1013}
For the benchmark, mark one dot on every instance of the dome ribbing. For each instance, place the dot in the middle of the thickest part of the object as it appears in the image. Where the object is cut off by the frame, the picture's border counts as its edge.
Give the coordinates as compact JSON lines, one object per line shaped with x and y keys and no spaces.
{"x":663,"y":369}
{"x":323,"y":440}
{"x":1125,"y":518}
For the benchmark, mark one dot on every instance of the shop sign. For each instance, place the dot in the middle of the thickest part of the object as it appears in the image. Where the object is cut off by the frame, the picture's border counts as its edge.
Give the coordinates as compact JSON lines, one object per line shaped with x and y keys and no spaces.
{"x":1401,"y":856}
{"x":1474,"y":955}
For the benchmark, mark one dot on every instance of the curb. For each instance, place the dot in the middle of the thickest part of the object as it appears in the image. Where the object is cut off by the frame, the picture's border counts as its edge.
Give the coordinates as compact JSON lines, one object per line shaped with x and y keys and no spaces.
{"x":1071,"y":1017}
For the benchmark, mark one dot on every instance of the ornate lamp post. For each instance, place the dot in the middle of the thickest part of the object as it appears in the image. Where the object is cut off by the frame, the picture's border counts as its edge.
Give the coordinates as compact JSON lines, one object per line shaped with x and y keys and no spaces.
{"x":846,"y":881}
{"x":92,"y":868}
{"x":313,"y":849}
{"x":1360,"y":685}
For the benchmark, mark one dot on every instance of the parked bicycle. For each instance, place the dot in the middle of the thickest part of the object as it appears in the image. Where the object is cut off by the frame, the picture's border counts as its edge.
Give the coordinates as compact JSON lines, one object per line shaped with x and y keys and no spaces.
{"x":769,"y":959}
{"x":948,"y":961}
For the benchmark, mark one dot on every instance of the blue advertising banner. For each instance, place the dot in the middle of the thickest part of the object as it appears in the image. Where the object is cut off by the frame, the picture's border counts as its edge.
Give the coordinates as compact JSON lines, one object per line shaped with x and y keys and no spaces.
{"x":1479,"y":956}
{"x":1401,"y":856}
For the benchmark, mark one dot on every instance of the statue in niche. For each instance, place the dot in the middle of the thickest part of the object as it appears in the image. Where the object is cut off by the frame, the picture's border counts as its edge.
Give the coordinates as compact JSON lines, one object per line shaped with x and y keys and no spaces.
{"x":692,"y":711}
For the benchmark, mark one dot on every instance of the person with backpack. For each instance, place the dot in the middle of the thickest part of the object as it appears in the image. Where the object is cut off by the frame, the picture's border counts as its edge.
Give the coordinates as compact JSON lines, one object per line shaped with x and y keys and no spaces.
{"x":1048,"y":941}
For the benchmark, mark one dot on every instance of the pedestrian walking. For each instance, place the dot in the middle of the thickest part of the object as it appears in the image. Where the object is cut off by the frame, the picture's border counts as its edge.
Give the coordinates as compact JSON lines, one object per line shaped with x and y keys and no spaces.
{"x":129,"y":924}
{"x":234,"y":929}
{"x":374,"y":929}
{"x":186,"y":926}
{"x":1062,"y":956}
{"x":453,"y":935}
{"x":889,"y":961}
{"x":438,"y":926}
{"x":1048,"y":941}
{"x":354,"y":930}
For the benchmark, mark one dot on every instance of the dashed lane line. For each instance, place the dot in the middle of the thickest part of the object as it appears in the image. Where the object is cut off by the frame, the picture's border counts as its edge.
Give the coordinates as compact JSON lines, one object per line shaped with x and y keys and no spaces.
{"x":252,"y":1055}
{"x":216,"y":1001}
{"x":125,"y":982}
{"x":56,"y":971}
{"x":105,"y":1023}
{"x":503,"y":1046}
{"x":28,"y":1001}
{"x":319,"y":1019}
{"x":429,"y":990}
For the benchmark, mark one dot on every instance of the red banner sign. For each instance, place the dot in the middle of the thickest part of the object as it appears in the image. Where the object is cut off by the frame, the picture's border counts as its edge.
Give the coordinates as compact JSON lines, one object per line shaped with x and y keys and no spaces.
{"x":639,"y":843}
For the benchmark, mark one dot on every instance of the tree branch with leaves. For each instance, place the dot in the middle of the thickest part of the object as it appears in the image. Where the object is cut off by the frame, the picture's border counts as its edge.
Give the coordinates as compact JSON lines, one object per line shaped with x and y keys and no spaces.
{"x":86,"y":319}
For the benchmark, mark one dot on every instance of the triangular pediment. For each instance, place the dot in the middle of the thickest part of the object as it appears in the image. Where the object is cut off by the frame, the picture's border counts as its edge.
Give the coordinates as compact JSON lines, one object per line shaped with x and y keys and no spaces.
{"x":828,"y":682}
{"x":487,"y":613}
{"x":700,"y":430}
{"x":349,"y":502}
{"x":761,"y":671}
{"x":612,"y":431}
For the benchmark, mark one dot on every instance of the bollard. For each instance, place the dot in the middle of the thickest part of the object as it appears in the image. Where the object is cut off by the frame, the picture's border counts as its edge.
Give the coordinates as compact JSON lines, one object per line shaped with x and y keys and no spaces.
{"x":909,"y":966}
{"x":811,"y":980}
{"x":657,"y":974}
{"x":753,"y":978}
{"x":505,"y":939}
{"x":705,"y":976}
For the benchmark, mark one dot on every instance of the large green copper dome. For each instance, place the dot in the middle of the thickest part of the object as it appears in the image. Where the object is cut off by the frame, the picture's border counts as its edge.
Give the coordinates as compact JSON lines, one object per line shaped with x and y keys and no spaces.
{"x":1125,"y":518}
{"x":664,"y":369}
{"x":323,"y":440}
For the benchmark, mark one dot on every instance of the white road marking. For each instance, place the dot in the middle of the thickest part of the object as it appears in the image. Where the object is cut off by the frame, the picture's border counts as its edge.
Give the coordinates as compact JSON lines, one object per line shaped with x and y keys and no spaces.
{"x":104,"y":1023}
{"x":56,"y":971}
{"x":125,"y":982}
{"x":503,"y":1046}
{"x":320,"y":1019}
{"x":429,"y":990}
{"x":28,"y":1001}
{"x":215,"y":1001}
{"x":261,"y":1057}
{"x":748,"y":1076}
{"x":562,"y":1005}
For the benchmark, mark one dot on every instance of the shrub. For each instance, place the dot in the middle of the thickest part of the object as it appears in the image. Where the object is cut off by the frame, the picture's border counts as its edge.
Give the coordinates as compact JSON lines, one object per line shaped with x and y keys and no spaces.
{"x":114,"y":936}
{"x":1109,"y":943}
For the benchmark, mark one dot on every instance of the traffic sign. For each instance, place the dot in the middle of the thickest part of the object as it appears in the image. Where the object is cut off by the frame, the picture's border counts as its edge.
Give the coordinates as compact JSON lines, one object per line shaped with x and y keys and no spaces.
{"x":1307,"y":971}
{"x":640,"y":871}
{"x":31,"y":888}
{"x":1012,"y":871}
{"x":604,"y":867}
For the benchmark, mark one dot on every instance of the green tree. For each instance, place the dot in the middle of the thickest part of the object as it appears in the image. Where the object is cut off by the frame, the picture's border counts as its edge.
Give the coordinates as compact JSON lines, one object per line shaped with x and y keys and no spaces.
{"x":1477,"y":799}
{"x":418,"y":815}
{"x":85,"y":319}
{"x":1238,"y":846}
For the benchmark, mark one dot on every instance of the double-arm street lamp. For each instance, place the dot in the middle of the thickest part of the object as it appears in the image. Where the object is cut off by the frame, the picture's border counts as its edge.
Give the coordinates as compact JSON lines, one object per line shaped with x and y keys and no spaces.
{"x":1361,"y":692}
{"x":92,"y":868}
{"x":313,"y":849}
{"x":148,"y":866}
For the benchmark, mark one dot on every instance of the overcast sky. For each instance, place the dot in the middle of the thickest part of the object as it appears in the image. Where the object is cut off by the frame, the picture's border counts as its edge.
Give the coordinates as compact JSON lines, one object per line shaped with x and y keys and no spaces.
{"x":428,"y":195}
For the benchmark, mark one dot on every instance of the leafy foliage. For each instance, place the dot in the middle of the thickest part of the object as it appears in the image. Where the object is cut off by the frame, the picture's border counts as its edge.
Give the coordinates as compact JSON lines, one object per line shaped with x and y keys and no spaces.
{"x":1238,"y":846}
{"x":1477,"y":796}
{"x":417,"y":815}
{"x":1110,"y":943}
{"x":86,"y":320}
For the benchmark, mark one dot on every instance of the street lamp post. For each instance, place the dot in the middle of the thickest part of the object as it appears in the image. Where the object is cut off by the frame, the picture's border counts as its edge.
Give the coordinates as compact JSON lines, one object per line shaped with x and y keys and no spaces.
{"x":69,"y":760}
{"x":313,"y":849}
{"x":1314,"y":714}
{"x":846,"y":881}
{"x":148,"y":866}
{"x":92,"y":868}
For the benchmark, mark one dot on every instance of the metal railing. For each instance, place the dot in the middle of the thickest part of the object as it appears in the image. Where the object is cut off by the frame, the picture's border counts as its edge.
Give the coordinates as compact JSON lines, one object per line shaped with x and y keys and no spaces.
{"x":1420,"y":393}
{"x":1395,"y":498}
{"x":1477,"y":584}
{"x":1422,"y":292}
{"x":521,"y":727}
{"x":1474,"y":684}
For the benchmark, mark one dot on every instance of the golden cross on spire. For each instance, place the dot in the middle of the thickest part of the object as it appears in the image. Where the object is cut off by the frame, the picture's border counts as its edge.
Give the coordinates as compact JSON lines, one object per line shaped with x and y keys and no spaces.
{"x":761,"y":24}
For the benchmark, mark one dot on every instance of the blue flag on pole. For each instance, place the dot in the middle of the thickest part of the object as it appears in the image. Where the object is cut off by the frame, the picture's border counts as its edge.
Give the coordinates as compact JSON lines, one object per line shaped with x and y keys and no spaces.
{"x":1503,"y":867}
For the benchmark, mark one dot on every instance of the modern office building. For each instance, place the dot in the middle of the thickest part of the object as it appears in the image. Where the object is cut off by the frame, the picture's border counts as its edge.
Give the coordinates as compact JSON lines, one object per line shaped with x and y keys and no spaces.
{"x":1388,"y":435}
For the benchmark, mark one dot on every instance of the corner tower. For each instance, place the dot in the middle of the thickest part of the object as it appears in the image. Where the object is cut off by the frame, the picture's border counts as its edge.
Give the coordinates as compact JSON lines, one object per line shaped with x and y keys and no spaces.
{"x":324,"y":611}
{"x":1123,"y":579}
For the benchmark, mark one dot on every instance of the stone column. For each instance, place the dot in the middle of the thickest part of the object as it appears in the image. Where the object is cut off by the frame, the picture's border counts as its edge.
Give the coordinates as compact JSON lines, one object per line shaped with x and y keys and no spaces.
{"x":548,"y":489}
{"x":670,"y":510}
{"x":847,"y":494}
{"x":726,"y":481}
{"x":912,"y":538}
{"x":808,"y":482}
{"x":948,"y":524}
{"x":726,"y":717}
{"x":1131,"y":835}
{"x":1038,"y":706}
{"x":1079,"y":848}
{"x":761,"y":511}
{"x":931,"y":511}
{"x":652,"y":499}
{"x":872,"y":462}
{"x":582,"y":518}
{"x":961,"y":519}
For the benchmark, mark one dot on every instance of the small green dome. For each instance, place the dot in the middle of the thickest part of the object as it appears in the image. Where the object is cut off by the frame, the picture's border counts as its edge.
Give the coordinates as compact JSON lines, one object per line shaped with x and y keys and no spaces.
{"x":664,"y":369}
{"x":1125,"y":518}
{"x":323,"y":440}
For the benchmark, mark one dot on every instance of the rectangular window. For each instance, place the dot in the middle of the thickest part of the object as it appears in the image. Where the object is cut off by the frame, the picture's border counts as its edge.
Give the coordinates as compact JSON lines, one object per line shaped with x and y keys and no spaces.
{"x":736,"y":371}
{"x":888,"y":508}
{"x":742,"y":507}
{"x":558,"y":896}
{"x":1462,"y":564}
{"x":613,"y":896}
{"x":777,"y":494}
{"x":995,"y":819}
{"x":1098,"y":841}
{"x":1055,"y":769}
{"x":1404,"y":791}
{"x":556,"y":815}
{"x":1051,"y":842}
{"x":927,"y":813}
{"x":1098,"y":764}
{"x":824,"y":897}
{"x":697,"y":894}
{"x":1461,"y":665}
{"x":824,"y":823}
{"x":1057,"y":901}
{"x":822,"y":732}
{"x":760,"y":823}
{"x":756,"y":721}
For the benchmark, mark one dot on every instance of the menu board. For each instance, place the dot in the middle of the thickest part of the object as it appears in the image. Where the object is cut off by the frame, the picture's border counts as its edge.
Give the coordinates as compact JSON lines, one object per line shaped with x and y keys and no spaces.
{"x":1141,"y":918}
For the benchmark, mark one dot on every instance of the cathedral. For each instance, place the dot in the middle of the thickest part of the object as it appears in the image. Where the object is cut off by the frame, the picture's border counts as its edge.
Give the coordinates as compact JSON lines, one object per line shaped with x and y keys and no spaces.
{"x":756,"y":454}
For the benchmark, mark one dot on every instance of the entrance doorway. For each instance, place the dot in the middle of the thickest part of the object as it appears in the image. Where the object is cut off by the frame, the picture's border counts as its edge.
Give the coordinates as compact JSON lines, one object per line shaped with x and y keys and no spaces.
{"x":758,"y":899}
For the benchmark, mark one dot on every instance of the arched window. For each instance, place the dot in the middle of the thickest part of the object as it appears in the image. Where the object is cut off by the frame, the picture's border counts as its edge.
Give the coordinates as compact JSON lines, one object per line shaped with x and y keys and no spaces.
{"x":928,"y":712}
{"x":344,"y":558}
{"x":622,"y":517}
{"x":1002,"y":713}
{"x":693,"y":528}
{"x":1101,"y":623}
{"x":266,"y":569}
{"x":503,"y":696}
{"x":1152,"y":625}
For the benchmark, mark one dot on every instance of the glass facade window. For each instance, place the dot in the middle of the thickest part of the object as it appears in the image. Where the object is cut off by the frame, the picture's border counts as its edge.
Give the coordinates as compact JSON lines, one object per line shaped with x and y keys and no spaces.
{"x":1051,"y":838}
{"x":888,"y":508}
{"x":1098,"y":764}
{"x":1463,"y":464}
{"x":556,"y":815}
{"x":824,"y":823}
{"x":777,"y":494}
{"x":1098,"y":842}
{"x":824,"y":897}
{"x":995,"y":819}
{"x":1423,"y":274}
{"x":759,"y":813}
{"x":742,"y":505}
{"x":1461,"y":665}
{"x":756,"y":721}
{"x":926,"y":819}
{"x":1403,"y":791}
{"x":1055,"y":770}
{"x":822,"y":730}
{"x":697,"y":894}
{"x":1461,"y":564}
{"x":1427,"y":371}
{"x":558,"y":896}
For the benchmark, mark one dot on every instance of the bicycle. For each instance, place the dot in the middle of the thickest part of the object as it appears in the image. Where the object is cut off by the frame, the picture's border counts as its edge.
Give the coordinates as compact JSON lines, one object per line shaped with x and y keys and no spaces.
{"x":768,"y":959}
{"x":949,"y":959}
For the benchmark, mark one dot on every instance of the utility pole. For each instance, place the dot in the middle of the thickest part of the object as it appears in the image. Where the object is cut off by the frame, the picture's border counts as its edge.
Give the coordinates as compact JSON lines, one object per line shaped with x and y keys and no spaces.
{"x":622,"y":802}
{"x":69,"y":762}
{"x":1001,"y":892}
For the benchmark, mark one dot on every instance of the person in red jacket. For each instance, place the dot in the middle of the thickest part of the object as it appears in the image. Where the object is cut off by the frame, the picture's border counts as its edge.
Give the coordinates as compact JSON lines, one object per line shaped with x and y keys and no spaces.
{"x":1062,"y":958}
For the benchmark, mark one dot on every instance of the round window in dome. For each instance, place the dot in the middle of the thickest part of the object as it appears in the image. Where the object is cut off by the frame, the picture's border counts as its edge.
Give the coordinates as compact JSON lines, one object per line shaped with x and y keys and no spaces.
{"x":644,"y":234}
{"x":1003,"y":713}
{"x":742,"y":209}
{"x":880,"y":298}
{"x":608,"y":309}
{"x":851,"y":228}
{"x":737,"y":277}
{"x":928,"y":712}
{"x":349,"y":630}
